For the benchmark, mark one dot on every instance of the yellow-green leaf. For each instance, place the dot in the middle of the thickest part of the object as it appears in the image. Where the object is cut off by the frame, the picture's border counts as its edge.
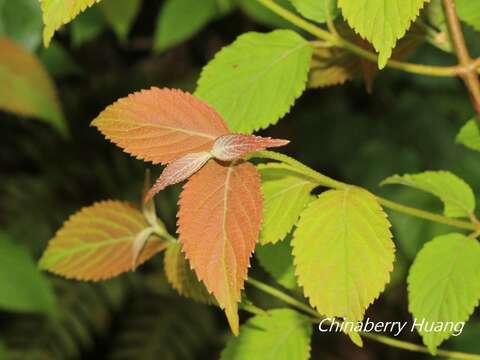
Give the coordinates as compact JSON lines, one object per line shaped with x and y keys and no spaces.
{"x":182,"y":277}
{"x":60,"y":12}
{"x":285,"y":194}
{"x":381,"y":22}
{"x":97,"y":243}
{"x":282,"y":334}
{"x":26,"y":88}
{"x":343,"y":252}
{"x":444,"y":286}
{"x":469,"y":135}
{"x":455,"y":193}
{"x":255,"y":81}
{"x":469,"y":11}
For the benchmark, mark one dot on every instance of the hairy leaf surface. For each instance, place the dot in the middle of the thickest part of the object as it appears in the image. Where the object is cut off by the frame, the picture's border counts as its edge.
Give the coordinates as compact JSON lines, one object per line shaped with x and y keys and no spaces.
{"x":285,"y":193}
{"x":381,"y":22}
{"x":24,"y":289}
{"x":27,"y":89}
{"x":178,"y":171}
{"x":219,"y":223}
{"x":343,"y":252}
{"x":255,"y":81}
{"x":444,"y":284}
{"x":469,"y":135}
{"x":455,"y":193}
{"x":283,"y":334}
{"x":182,"y":278}
{"x":161,"y":125}
{"x":60,"y":12}
{"x":234,"y":146}
{"x":97,"y":243}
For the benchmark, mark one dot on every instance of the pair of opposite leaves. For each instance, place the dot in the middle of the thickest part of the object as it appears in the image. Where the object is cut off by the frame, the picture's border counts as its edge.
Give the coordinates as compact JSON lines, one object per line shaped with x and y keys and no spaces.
{"x":221,"y":205}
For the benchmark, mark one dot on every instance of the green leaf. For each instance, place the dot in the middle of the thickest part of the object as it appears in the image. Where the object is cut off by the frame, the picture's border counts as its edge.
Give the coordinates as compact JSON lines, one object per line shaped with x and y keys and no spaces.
{"x":58,"y":61}
{"x":283,"y":334}
{"x":340,"y":235}
{"x":277,"y":260}
{"x":381,"y":22}
{"x":24,"y":289}
{"x":266,"y":17}
{"x":285,"y":194}
{"x":469,"y":135}
{"x":455,"y":193}
{"x":444,"y":285}
{"x":316,"y":10}
{"x":469,"y":12}
{"x":87,"y":26}
{"x":21,"y":21}
{"x":121,"y":14}
{"x":179,"y":20}
{"x":57,"y":13}
{"x":27,"y":89}
{"x":254,"y":81}
{"x":182,"y":277}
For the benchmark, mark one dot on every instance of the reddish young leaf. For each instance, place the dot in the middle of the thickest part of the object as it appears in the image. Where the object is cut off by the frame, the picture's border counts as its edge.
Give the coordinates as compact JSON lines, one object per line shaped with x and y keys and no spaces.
{"x":161,"y":125}
{"x":98,"y":243}
{"x":219,"y":223}
{"x":178,"y":171}
{"x":234,"y":146}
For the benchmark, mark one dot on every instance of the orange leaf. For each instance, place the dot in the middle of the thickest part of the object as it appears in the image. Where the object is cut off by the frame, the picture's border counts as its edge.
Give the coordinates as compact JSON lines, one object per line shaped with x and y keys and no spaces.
{"x":219,"y":223}
{"x":98,"y":243}
{"x":178,"y":171}
{"x":234,"y":146}
{"x":161,"y":125}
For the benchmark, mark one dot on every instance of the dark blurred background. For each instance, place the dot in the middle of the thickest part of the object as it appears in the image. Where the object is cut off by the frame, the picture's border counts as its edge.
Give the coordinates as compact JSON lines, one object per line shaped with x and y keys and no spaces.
{"x":408,"y":124}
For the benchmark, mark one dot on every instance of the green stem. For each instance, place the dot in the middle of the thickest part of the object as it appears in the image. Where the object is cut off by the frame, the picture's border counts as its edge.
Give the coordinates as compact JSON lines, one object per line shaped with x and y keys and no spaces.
{"x":440,"y":71}
{"x":326,"y":181}
{"x":287,"y":299}
{"x":422,"y":214}
{"x":252,"y":309}
{"x":164,"y":234}
{"x":404,"y":345}
{"x":298,"y":21}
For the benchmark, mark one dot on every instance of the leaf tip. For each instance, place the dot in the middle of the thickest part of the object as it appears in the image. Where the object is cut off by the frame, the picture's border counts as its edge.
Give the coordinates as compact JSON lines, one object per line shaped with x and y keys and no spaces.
{"x":232,"y":316}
